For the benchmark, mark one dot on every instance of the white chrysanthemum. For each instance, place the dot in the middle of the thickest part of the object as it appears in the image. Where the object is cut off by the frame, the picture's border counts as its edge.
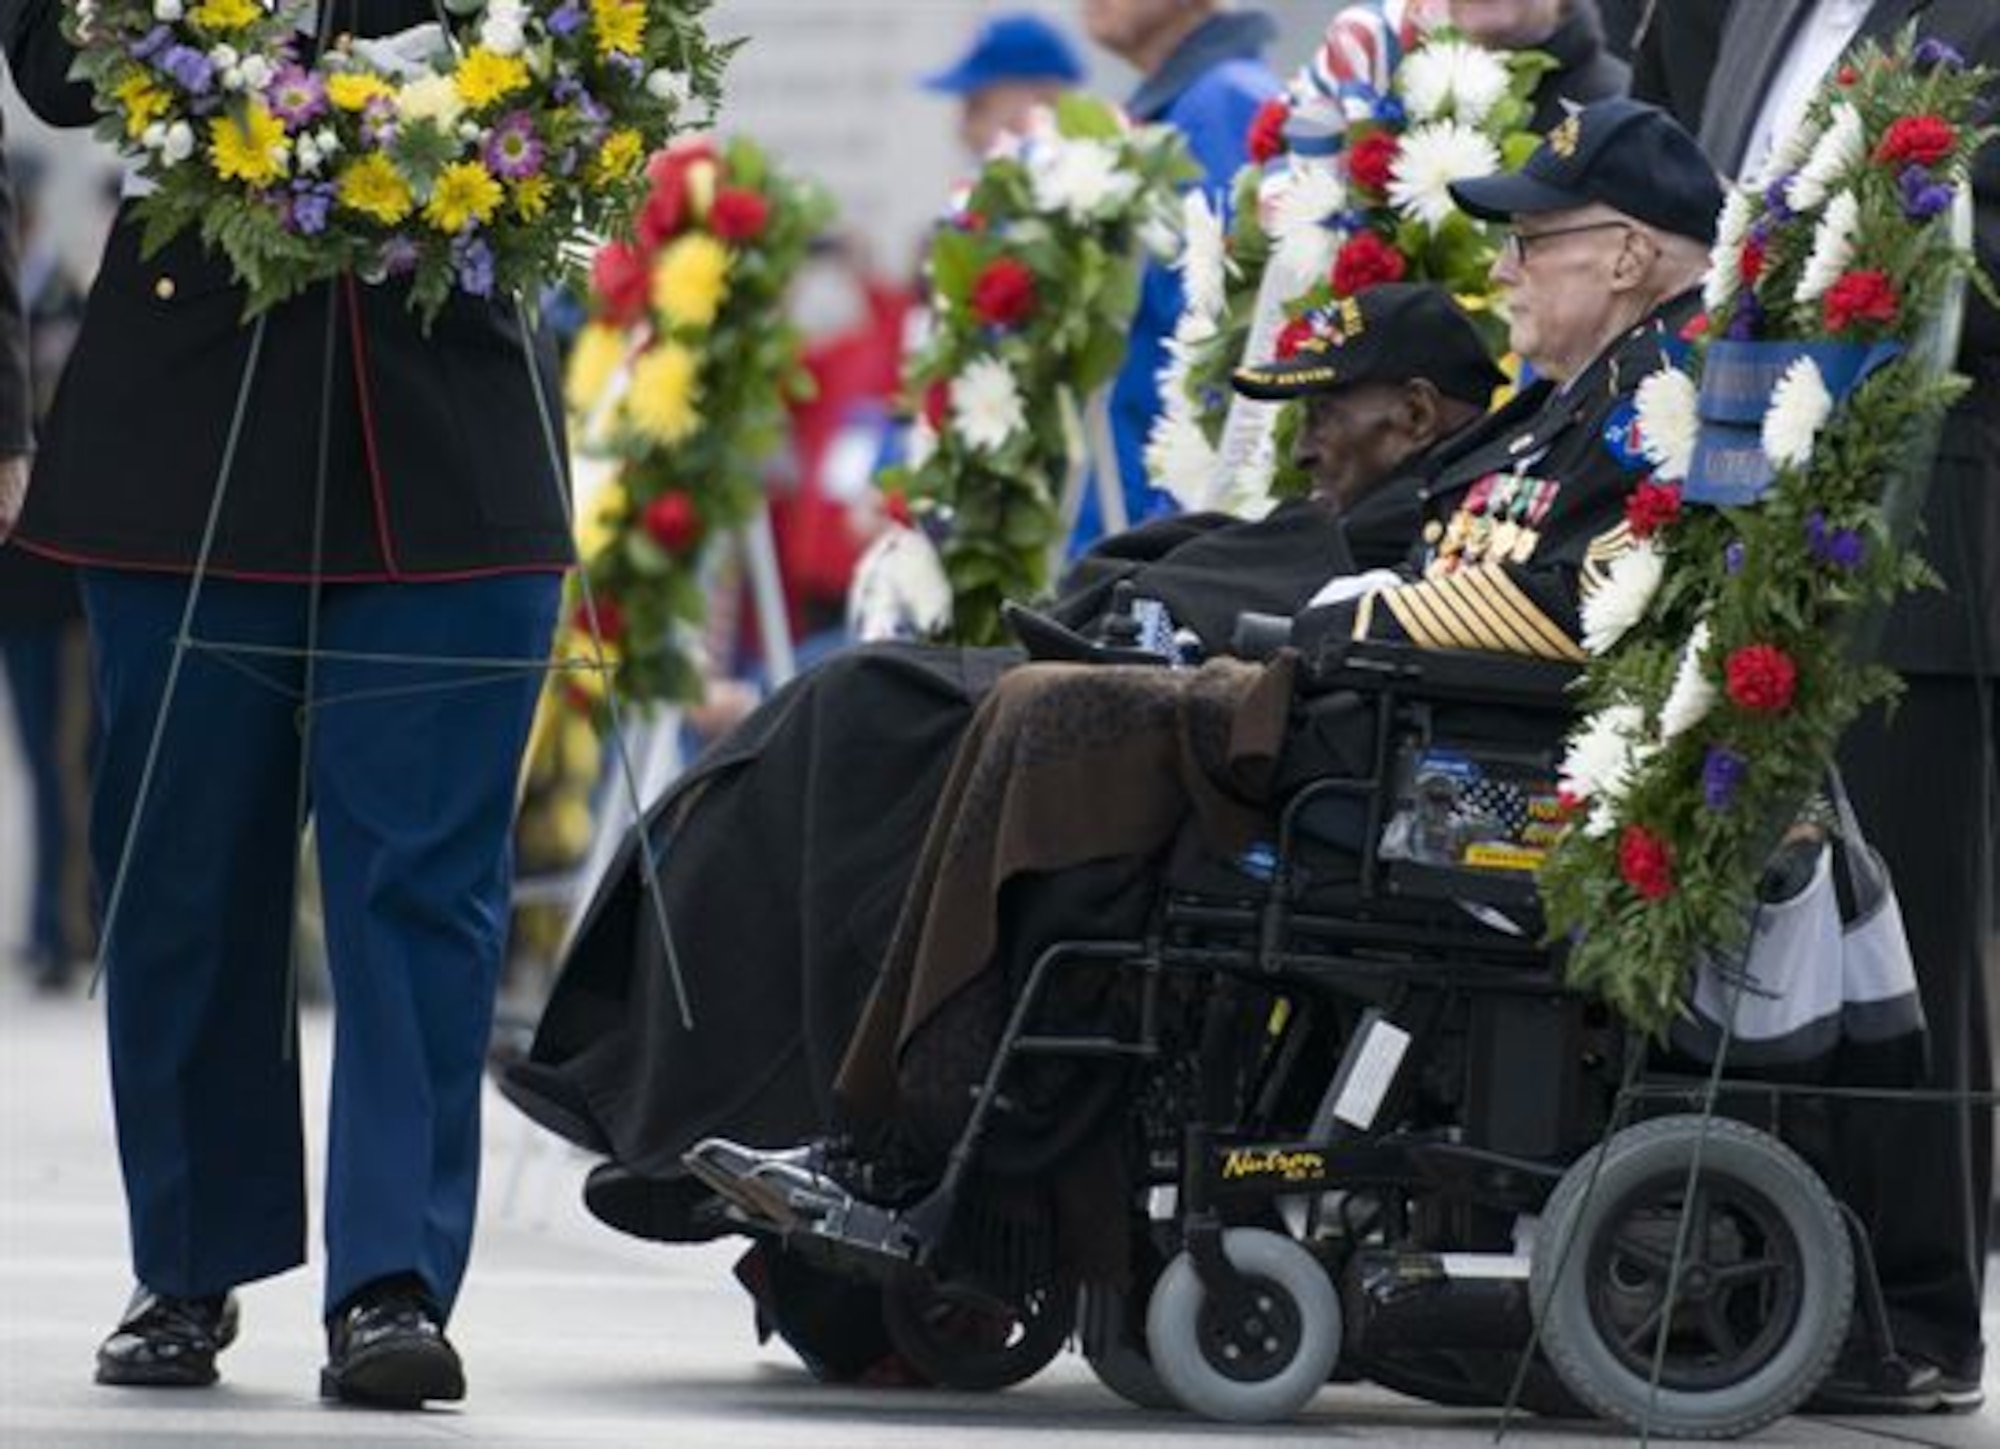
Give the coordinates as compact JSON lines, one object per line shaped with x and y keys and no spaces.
{"x":1833,"y":247}
{"x":1296,"y":214}
{"x":1800,"y":406}
{"x":1838,"y":151}
{"x":1598,"y":766}
{"x":1081,"y":178}
{"x":431,"y":98}
{"x":986,"y":406}
{"x":1620,"y":601}
{"x":1788,"y":152}
{"x":1669,"y":421}
{"x":1451,"y":78}
{"x":1693,"y":693}
{"x":504,"y":28}
{"x":1204,"y":260}
{"x":1725,"y":258}
{"x":1160,"y":230}
{"x":1429,"y":160}
{"x":1180,"y":459}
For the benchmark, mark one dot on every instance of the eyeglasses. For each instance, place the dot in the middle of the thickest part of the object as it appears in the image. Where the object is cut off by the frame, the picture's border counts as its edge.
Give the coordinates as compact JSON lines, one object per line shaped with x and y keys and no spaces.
{"x":1515,"y":244}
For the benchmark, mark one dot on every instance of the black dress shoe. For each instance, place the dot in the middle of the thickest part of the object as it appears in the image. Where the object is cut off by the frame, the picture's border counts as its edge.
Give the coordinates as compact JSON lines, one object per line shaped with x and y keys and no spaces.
{"x":167,"y":1343}
{"x":387,"y":1350}
{"x":1872,"y":1386}
{"x":658,"y":1209}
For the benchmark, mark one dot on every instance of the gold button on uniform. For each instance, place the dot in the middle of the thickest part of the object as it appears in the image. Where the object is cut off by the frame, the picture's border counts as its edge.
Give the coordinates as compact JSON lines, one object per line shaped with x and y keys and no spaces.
{"x":164,"y":289}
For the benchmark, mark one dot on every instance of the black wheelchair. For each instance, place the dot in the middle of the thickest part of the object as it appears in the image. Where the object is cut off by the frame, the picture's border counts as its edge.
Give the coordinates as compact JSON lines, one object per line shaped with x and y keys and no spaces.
{"x":1368,"y":1134}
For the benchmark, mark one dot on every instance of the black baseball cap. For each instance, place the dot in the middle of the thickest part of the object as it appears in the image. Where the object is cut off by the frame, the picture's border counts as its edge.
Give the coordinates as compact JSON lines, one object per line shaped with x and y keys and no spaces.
{"x":1630,"y":156}
{"x":1388,"y":333}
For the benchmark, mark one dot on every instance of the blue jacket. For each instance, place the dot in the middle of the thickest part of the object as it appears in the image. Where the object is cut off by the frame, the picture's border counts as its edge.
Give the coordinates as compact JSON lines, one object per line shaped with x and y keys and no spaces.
{"x":1209,"y":90}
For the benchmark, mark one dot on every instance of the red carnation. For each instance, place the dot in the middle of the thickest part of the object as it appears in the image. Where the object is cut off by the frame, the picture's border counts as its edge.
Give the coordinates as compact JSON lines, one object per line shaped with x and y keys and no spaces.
{"x":1761,"y":678}
{"x":1916,"y":140}
{"x":610,"y":619}
{"x":1847,"y":75}
{"x":1267,"y":131}
{"x":1652,"y":507}
{"x":1365,"y":261}
{"x":1646,"y":863}
{"x":672,"y":522}
{"x":738,"y":214}
{"x":970,"y":221}
{"x":618,"y":275}
{"x":676,"y":159}
{"x":937,"y":403}
{"x":664,"y":212}
{"x":897,"y":506}
{"x":1859,"y":297}
{"x":1294,"y":336}
{"x":1696,"y":328}
{"x":1750,"y":263}
{"x":1004,"y":294}
{"x":1371,"y":159}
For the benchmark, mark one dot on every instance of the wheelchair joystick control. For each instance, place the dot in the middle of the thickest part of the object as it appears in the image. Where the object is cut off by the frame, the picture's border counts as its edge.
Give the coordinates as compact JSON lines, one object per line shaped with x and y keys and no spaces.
{"x":1121,"y":625}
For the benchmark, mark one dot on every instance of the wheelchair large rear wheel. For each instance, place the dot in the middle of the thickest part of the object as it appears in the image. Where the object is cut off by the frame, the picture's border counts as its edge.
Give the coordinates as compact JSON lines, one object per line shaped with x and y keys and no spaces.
{"x":1766,"y":1283}
{"x":1252,"y":1367}
{"x":960,"y":1341}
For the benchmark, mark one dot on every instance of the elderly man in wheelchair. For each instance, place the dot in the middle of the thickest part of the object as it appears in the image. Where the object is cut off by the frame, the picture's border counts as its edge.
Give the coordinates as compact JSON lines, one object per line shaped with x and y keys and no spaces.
{"x":1313,"y":1107}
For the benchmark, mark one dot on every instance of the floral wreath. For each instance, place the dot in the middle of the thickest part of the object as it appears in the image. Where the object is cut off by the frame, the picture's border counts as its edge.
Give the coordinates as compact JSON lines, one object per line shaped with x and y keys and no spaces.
{"x":1323,"y":213}
{"x":474,"y":167}
{"x":682,"y":375}
{"x":1035,"y":277}
{"x":1720,"y":677}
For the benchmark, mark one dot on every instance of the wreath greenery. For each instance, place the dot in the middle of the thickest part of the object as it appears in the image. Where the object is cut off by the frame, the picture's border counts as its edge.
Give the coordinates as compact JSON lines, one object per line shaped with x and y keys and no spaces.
{"x":1035,"y":278}
{"x":476,"y":161}
{"x":1723,"y":670}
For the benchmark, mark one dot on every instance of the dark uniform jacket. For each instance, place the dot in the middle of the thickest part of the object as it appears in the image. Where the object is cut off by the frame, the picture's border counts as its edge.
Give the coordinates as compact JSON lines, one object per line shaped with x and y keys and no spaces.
{"x":1956,"y":630}
{"x":1521,"y":519}
{"x":438,"y":465}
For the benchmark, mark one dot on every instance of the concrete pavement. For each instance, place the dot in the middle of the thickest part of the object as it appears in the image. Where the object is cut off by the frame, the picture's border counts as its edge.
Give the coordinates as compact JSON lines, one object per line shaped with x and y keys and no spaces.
{"x":572,"y":1335}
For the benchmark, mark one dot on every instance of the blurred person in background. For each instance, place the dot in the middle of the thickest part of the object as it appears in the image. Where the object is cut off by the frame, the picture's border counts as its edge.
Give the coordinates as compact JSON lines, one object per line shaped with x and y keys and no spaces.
{"x":1016,"y":64}
{"x":1677,"y":46}
{"x":1202,"y":72}
{"x":39,"y":610}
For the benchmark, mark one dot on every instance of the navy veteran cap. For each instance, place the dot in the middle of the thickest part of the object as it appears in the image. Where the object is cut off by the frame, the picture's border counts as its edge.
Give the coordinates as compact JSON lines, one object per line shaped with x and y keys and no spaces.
{"x":1015,"y":48}
{"x":1630,"y":156}
{"x":1391,"y":333}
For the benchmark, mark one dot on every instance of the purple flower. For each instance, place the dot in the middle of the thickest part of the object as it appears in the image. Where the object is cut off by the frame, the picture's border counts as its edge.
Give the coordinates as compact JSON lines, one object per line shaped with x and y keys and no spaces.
{"x":1816,"y":534}
{"x":1390,"y":112}
{"x":566,"y":89}
{"x":399,"y":256}
{"x":1934,"y":54}
{"x":1747,"y":320}
{"x":1732,"y":557}
{"x":151,"y":43}
{"x":566,"y":19}
{"x":1774,"y":199}
{"x":297,"y":97}
{"x":1722,"y":774}
{"x":630,"y":65}
{"x":378,"y":124}
{"x":1923,"y":197}
{"x":474,"y":260}
{"x":512,"y":151}
{"x":192,"y":71}
{"x":307,"y":211}
{"x":1840,"y":548}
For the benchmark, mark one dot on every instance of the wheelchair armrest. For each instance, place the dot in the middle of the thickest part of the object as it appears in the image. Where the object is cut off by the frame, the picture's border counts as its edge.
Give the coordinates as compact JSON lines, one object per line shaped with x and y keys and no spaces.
{"x":1473,"y":675}
{"x":1048,"y":639}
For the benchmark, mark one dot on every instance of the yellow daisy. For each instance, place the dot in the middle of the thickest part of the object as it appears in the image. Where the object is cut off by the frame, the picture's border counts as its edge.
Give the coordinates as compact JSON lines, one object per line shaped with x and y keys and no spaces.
{"x":618,"y":157}
{"x":592,"y":361}
{"x":224,"y":15}
{"x":375,"y":188}
{"x":598,"y":524}
{"x":250,"y":148}
{"x":660,"y":402}
{"x":691,"y":280}
{"x":620,"y":25}
{"x":531,"y":197}
{"x":465,"y":191}
{"x":142,"y":101}
{"x":353,"y":90}
{"x":484,"y":77}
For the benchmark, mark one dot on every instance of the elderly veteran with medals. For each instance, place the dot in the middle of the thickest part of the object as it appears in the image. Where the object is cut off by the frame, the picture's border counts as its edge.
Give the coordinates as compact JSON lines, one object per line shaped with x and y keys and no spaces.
{"x":1075,"y":786}
{"x":1611,"y":219}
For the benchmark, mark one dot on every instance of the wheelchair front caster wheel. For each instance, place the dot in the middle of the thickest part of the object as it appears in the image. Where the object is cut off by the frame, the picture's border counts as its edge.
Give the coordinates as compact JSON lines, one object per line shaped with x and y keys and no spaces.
{"x":962,"y":1342}
{"x":1262,"y":1363}
{"x":1759,"y":1309}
